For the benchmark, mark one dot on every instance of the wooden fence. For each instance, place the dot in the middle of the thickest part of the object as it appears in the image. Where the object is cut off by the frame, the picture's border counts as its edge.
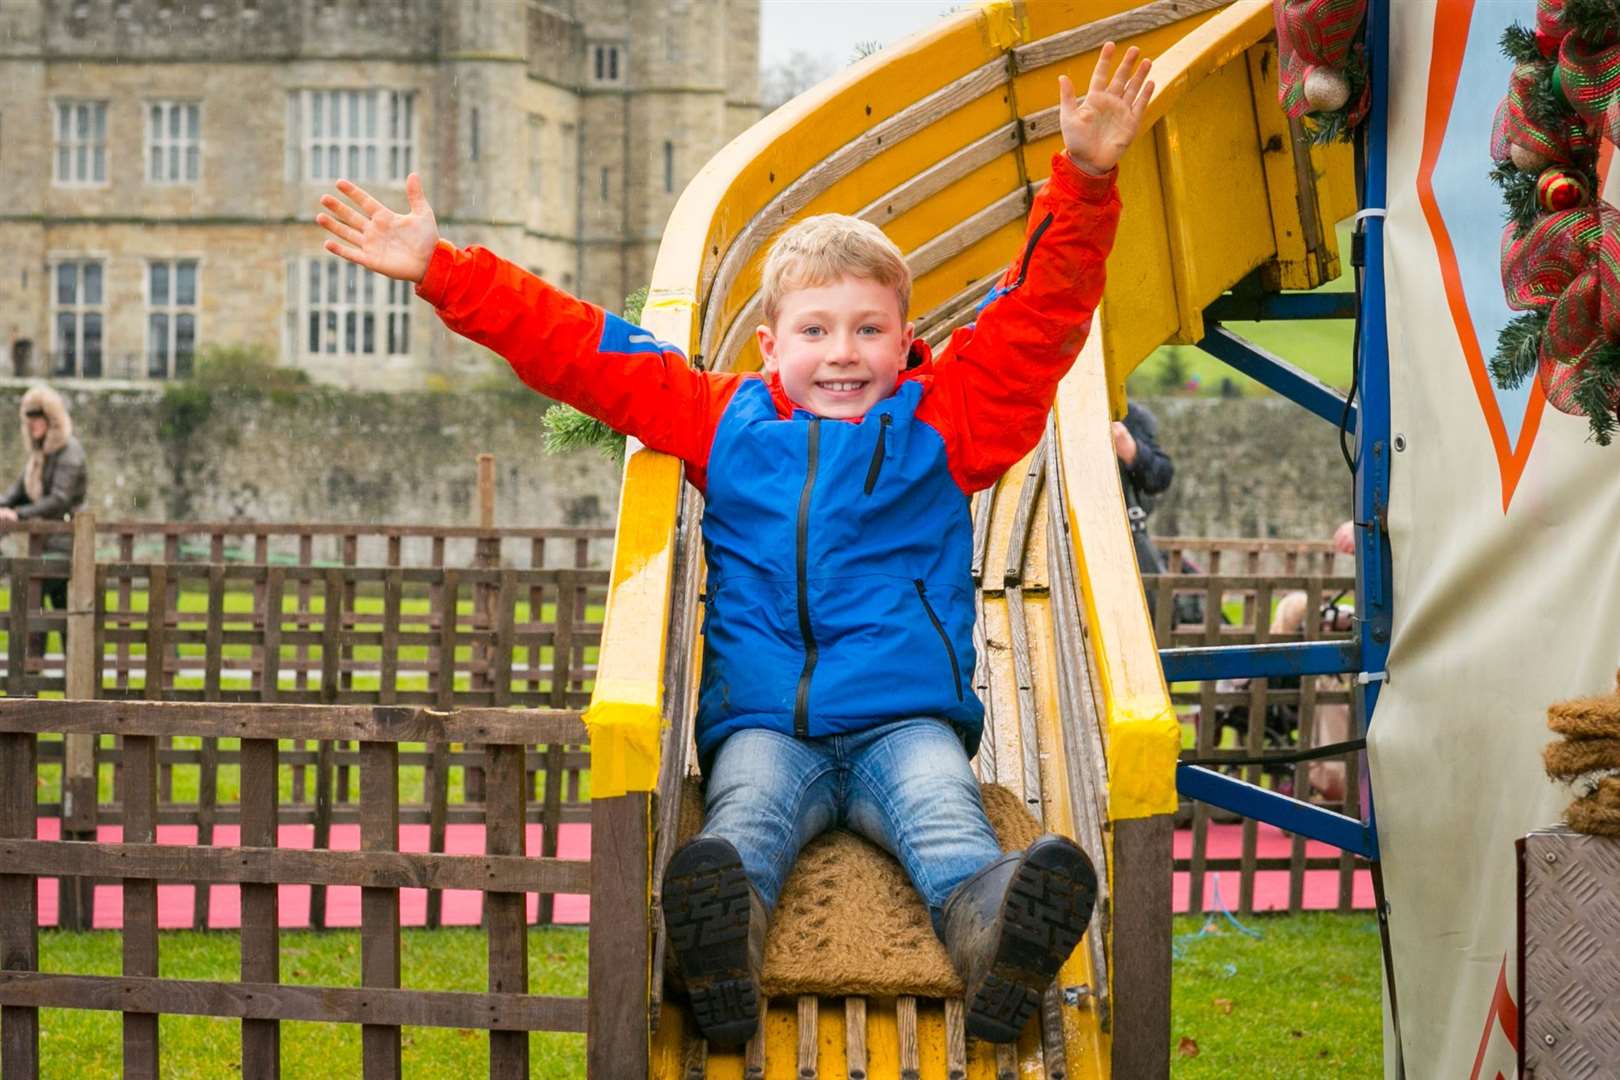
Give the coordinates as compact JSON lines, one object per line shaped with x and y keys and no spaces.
{"x":1252,"y":592}
{"x":223,"y":632}
{"x":329,"y":545}
{"x":505,"y":874}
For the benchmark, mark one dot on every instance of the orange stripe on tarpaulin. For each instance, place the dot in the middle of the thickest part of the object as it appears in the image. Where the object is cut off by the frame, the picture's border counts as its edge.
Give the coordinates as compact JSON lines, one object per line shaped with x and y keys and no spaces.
{"x":1503,"y":1011}
{"x":1451,"y":20}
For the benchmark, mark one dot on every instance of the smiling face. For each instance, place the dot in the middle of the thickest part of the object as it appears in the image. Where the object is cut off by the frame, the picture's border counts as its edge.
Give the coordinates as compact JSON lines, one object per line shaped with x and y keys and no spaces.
{"x":838,"y":347}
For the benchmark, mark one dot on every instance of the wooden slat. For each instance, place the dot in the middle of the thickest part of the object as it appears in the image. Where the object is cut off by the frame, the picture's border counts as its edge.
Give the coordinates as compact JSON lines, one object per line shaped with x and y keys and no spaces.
{"x":140,"y":935}
{"x":17,"y":633}
{"x":1127,"y":24}
{"x":955,"y":1039}
{"x":323,"y":827}
{"x":379,"y":906}
{"x":393,"y":599}
{"x":19,"y":903}
{"x":157,"y":617}
{"x":855,"y":1037}
{"x":504,"y":911}
{"x":619,"y":1039}
{"x":905,"y":1018}
{"x":754,"y":1052}
{"x":260,"y":933}
{"x":276,"y":721}
{"x":809,"y":1036}
{"x":267,"y":1001}
{"x":275,"y":592}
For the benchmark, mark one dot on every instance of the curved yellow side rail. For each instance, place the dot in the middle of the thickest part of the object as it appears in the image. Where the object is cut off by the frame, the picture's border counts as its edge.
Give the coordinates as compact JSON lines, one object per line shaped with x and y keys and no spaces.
{"x":1144,"y":737}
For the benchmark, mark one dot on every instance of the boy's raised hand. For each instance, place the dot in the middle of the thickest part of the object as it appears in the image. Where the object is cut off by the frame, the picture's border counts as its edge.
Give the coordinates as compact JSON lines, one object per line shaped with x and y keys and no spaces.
{"x":399,"y":246}
{"x":1099,"y":128}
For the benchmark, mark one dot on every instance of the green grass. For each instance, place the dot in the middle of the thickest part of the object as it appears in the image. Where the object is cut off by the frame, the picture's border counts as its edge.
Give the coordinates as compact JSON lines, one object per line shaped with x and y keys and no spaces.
{"x":1321,"y":347}
{"x":1301,"y":1001}
{"x":88,"y":1045}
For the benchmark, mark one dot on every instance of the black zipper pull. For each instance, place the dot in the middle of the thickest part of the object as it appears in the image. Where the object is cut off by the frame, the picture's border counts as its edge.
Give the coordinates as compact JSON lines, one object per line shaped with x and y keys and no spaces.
{"x":873,"y":469}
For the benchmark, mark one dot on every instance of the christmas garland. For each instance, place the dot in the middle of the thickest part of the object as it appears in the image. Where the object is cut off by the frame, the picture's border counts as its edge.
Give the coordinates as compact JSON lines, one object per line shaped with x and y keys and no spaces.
{"x":1561,"y":247}
{"x":1322,"y":79}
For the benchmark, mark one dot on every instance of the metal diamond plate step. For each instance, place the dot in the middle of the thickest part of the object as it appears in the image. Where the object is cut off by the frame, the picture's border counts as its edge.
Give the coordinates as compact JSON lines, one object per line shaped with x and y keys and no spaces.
{"x":1570,"y":960}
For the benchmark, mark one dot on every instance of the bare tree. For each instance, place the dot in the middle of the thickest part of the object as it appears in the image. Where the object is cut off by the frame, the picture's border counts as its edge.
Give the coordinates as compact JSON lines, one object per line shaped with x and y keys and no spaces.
{"x":787,"y":79}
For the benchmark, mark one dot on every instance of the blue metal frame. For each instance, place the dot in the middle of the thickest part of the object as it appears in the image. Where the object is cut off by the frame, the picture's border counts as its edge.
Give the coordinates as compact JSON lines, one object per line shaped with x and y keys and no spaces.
{"x":1264,"y":307}
{"x":1268,"y":369}
{"x":1368,"y":652}
{"x":1260,"y":661}
{"x":1290,"y":814}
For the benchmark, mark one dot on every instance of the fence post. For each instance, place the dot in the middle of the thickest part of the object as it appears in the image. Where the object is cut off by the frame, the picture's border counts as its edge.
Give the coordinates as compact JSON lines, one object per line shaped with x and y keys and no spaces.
{"x":19,"y":904}
{"x":486,"y":556}
{"x":79,"y":789}
{"x":618,"y":1042}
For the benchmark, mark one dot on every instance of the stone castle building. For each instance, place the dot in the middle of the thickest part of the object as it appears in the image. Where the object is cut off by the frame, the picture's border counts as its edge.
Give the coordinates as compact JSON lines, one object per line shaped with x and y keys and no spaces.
{"x":161,"y":162}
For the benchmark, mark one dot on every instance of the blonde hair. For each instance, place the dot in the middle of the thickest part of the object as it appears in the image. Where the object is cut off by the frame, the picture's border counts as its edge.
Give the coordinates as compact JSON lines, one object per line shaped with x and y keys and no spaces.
{"x":822,"y":249}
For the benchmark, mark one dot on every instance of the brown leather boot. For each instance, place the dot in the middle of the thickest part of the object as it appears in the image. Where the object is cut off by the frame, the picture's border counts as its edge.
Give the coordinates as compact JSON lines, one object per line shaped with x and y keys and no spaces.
{"x":715,"y":923}
{"x":1009,"y":928}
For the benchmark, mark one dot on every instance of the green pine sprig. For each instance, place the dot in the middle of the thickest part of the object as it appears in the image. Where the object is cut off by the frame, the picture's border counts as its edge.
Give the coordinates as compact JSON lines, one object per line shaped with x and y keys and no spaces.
{"x":1546,"y":101}
{"x":1518,"y":349}
{"x":568,"y":429}
{"x":1594,"y":20}
{"x":1596,"y":388}
{"x":1519,"y":193}
{"x":1519,"y":45}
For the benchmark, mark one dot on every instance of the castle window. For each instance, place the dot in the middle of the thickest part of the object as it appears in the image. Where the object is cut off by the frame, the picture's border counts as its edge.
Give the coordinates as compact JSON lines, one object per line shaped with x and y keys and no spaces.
{"x":81,"y":142}
{"x":357,"y":134}
{"x":76,"y":318}
{"x":173,"y":142}
{"x":472,"y":148}
{"x":606,"y":183}
{"x":669,"y":166}
{"x":605,"y":60}
{"x":537,"y":139}
{"x":347,"y":311}
{"x":171,"y":318}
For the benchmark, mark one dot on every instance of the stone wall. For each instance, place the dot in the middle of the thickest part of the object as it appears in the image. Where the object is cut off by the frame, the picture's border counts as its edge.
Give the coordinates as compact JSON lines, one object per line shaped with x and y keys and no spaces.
{"x":325,"y":456}
{"x":1243,"y":468}
{"x":1249,"y":467}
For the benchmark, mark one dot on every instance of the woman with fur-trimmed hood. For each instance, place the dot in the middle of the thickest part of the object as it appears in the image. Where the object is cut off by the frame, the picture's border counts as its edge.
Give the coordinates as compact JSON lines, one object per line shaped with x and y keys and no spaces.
{"x":54,"y":477}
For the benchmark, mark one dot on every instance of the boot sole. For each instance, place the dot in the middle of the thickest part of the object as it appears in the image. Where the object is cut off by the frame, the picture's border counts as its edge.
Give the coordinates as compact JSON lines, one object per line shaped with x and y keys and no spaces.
{"x":1048,"y":907}
{"x":706,"y":907}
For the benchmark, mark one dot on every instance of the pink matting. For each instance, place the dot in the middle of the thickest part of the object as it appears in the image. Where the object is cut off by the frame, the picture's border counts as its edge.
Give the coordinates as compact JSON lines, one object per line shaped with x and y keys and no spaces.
{"x":463,"y":907}
{"x":1270,"y":886}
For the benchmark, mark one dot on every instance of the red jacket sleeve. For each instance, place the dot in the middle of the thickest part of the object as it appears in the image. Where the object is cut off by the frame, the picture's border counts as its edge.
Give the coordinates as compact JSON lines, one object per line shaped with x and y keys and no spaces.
{"x":996,"y":380}
{"x":577,"y":353}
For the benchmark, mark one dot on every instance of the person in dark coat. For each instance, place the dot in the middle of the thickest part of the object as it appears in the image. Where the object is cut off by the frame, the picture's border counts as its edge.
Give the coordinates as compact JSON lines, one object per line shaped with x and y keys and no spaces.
{"x":1145,"y":471}
{"x":53,"y":482}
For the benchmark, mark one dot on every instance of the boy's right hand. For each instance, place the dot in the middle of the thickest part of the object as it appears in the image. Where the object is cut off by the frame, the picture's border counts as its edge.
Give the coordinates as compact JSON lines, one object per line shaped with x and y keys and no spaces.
{"x":399,"y":246}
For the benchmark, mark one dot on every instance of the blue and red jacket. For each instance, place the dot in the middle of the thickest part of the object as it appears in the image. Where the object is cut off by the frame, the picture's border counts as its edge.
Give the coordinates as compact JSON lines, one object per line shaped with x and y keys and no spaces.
{"x":839,"y":595}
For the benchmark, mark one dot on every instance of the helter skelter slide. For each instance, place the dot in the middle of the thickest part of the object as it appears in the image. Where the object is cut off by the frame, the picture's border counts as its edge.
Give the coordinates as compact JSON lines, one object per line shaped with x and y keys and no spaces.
{"x":942,"y":140}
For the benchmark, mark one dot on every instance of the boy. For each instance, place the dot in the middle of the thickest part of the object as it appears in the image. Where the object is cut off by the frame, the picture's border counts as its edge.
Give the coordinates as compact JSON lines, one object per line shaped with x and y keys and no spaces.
{"x":838,"y":610}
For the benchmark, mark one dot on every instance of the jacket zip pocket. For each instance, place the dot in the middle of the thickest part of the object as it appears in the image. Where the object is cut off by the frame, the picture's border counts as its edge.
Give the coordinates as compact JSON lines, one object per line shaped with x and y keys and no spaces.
{"x":876,"y":467}
{"x":944,"y":638}
{"x":801,"y":699}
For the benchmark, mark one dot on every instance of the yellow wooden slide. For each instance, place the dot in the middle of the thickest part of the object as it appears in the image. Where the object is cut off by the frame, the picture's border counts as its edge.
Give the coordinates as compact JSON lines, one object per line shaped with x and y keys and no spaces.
{"x":941,"y":140}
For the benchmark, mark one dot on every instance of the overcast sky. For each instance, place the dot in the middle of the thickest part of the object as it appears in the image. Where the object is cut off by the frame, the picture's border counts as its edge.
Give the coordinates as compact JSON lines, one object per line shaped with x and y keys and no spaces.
{"x":832,"y":28}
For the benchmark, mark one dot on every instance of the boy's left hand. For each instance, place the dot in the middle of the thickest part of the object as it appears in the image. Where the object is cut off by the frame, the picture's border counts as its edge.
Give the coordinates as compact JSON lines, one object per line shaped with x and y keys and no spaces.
{"x":1099,"y":128}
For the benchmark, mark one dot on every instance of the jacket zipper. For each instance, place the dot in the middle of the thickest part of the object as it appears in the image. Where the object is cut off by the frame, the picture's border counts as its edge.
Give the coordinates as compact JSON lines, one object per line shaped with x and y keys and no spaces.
{"x":876,"y":467}
{"x":801,"y":702}
{"x":1029,"y":252}
{"x":945,"y":639}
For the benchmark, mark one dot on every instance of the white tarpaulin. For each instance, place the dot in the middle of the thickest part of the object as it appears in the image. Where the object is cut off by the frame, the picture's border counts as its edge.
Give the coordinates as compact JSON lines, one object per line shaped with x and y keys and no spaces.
{"x":1503,"y":520}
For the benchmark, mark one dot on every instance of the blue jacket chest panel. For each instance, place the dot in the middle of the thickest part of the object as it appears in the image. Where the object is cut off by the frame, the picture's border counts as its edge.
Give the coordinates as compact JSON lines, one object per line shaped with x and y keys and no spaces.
{"x":838,"y":594}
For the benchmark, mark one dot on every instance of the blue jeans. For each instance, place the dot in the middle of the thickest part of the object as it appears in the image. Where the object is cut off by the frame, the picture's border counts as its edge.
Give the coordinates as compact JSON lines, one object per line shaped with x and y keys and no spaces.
{"x":905,"y":786}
